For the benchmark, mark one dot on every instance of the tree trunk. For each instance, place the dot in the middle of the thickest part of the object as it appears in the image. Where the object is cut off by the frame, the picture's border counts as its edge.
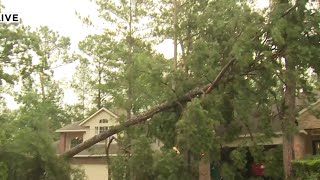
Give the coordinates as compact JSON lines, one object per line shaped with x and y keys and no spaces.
{"x":204,"y":169}
{"x":99,"y":103}
{"x":130,"y":63}
{"x":175,"y":41}
{"x":289,"y":125}
{"x":43,"y":93}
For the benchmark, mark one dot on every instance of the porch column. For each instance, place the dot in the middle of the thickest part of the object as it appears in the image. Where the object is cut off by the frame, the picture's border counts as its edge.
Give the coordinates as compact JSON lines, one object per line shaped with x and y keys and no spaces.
{"x":299,"y":146}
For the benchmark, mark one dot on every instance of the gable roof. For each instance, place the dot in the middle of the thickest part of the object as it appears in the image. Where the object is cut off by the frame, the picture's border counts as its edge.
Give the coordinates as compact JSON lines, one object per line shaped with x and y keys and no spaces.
{"x":73,"y":127}
{"x":309,"y":121}
{"x":94,"y":114}
{"x":310,"y":106}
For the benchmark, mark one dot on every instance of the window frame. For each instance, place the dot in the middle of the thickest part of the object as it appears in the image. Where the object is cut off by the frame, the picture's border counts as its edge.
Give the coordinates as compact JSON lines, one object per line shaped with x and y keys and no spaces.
{"x":103,"y":121}
{"x":315,"y":143}
{"x":78,"y":139}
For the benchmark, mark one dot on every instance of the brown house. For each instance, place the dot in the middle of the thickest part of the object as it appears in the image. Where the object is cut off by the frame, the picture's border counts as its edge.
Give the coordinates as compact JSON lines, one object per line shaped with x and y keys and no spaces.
{"x":306,"y":142}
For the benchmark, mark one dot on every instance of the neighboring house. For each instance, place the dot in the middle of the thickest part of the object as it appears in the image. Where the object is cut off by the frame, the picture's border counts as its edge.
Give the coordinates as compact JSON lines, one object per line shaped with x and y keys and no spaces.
{"x":306,"y":142}
{"x":92,"y":160}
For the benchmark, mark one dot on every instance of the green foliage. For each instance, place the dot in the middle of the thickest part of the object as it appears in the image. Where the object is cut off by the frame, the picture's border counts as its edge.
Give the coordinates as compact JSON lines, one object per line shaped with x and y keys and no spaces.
{"x":273,"y":163}
{"x":195,"y":130}
{"x":119,"y":69}
{"x":227,"y":171}
{"x":118,"y":167}
{"x":163,"y":127}
{"x":141,"y":160}
{"x":78,"y":174}
{"x":26,"y":148}
{"x":29,"y":154}
{"x":3,"y":171}
{"x":15,"y":43}
{"x":238,"y":158}
{"x":138,"y":164}
{"x":37,"y":114}
{"x":167,"y":165}
{"x":307,"y":168}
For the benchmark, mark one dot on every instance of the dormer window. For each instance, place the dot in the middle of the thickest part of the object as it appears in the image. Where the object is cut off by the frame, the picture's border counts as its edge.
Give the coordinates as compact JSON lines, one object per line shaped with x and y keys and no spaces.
{"x":75,"y":141}
{"x":103,"y":121}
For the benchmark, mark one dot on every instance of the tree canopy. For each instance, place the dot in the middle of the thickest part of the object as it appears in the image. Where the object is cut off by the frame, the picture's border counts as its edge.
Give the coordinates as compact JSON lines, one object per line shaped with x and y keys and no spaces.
{"x":236,"y":70}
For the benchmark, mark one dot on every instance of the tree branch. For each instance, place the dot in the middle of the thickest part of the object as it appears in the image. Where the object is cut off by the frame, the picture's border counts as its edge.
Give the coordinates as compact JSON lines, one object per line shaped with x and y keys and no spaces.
{"x":149,"y":113}
{"x":289,"y":10}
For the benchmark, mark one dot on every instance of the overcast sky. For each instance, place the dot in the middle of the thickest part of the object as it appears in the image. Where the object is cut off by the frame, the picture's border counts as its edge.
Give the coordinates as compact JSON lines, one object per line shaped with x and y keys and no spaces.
{"x":60,"y":16}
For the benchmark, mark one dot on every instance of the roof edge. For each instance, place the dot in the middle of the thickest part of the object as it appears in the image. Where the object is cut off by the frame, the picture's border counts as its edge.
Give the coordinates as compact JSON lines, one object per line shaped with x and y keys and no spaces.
{"x":94,"y":155}
{"x":71,"y":130}
{"x":102,"y":109}
{"x":310,"y":106}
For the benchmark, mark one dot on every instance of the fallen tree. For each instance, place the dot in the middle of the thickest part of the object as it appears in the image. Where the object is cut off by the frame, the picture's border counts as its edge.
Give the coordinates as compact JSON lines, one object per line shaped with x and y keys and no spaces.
{"x":197,"y":92}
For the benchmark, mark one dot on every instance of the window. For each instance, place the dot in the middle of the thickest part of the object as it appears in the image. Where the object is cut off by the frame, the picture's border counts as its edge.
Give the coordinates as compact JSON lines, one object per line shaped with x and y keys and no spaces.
{"x":75,"y":141}
{"x":316,"y":147}
{"x":96,"y":130}
{"x":100,"y":129}
{"x":103,"y":129}
{"x":103,"y":121}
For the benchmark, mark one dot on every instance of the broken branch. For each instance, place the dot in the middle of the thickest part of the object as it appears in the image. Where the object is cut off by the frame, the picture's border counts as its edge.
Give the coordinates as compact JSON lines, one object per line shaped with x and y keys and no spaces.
{"x":149,"y":113}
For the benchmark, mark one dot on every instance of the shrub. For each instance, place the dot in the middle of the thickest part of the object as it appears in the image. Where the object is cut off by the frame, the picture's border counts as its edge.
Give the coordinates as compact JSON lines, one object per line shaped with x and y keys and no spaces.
{"x":307,"y":169}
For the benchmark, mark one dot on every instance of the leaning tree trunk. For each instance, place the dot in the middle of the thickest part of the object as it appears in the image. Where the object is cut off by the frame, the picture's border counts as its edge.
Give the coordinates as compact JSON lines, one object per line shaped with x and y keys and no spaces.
{"x":289,"y":118}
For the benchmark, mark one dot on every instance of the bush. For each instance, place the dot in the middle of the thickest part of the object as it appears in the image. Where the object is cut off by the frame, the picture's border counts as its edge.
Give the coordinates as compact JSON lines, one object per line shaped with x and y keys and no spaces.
{"x":307,"y":169}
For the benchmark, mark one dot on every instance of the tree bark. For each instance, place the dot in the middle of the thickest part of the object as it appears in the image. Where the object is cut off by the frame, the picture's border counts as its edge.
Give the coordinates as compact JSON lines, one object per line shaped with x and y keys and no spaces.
{"x":43,"y":93}
{"x":150,"y":113}
{"x":289,"y":125}
{"x":175,"y":41}
{"x":99,"y":102}
{"x":204,"y":169}
{"x":175,"y":34}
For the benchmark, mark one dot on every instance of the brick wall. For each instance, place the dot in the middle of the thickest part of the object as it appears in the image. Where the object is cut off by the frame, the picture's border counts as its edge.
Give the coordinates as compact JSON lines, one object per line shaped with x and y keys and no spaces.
{"x":62,"y":142}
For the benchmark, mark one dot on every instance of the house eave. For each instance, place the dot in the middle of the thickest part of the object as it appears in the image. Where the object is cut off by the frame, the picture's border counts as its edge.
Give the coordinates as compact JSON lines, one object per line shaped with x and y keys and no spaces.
{"x":71,"y":130}
{"x":94,"y":155}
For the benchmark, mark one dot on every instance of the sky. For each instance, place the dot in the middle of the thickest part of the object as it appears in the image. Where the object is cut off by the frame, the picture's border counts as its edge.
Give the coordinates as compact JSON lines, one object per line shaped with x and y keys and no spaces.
{"x":60,"y":16}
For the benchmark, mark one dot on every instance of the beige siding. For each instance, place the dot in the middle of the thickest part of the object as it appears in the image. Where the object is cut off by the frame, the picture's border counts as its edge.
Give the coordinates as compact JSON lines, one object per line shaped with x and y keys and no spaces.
{"x":94,"y":122}
{"x":94,"y":171}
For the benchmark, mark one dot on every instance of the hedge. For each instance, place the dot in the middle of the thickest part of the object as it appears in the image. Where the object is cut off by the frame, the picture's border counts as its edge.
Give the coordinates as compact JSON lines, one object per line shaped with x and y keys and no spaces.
{"x":307,"y":169}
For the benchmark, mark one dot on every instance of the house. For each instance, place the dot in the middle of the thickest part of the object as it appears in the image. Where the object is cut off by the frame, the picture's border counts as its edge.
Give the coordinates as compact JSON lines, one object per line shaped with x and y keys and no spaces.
{"x":92,"y":160}
{"x":306,"y":141}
